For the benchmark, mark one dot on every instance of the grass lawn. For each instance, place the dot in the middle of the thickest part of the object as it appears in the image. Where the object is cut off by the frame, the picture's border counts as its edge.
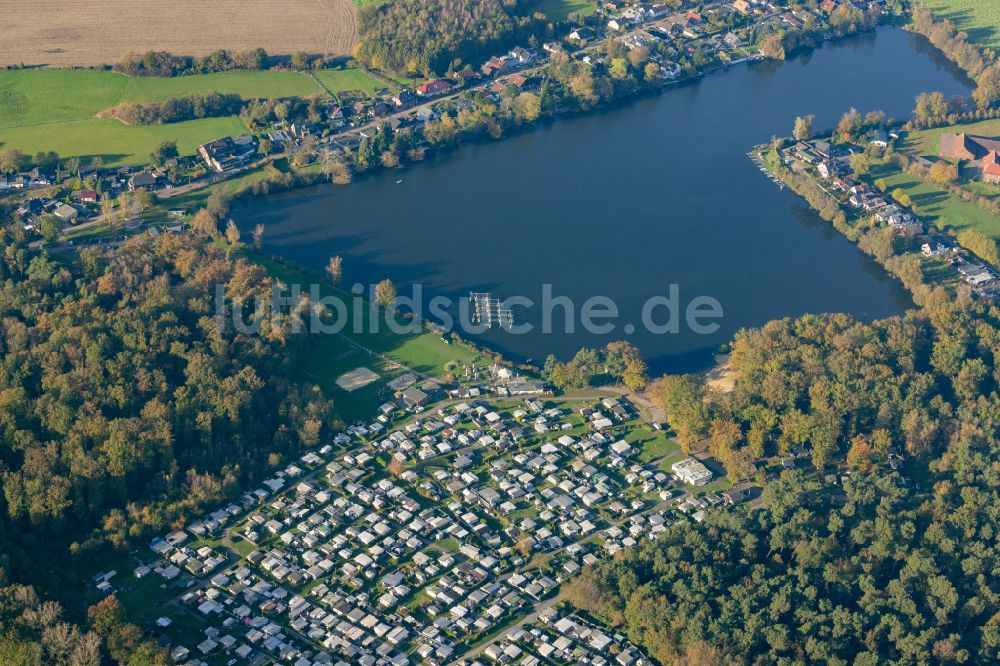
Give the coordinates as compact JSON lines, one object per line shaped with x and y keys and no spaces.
{"x":331,"y":355}
{"x":340,"y":80}
{"x":979,"y":18}
{"x":654,"y":445}
{"x":559,"y":10}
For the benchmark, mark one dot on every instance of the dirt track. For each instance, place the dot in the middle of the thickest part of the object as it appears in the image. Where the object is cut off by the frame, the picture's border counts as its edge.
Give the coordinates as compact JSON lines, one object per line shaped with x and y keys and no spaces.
{"x":64,"y":34}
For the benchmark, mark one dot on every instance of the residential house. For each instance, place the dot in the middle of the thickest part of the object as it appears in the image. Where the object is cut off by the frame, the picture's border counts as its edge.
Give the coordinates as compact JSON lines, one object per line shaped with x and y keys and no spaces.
{"x":227,"y":153}
{"x":433,"y":88}
{"x":66,"y":213}
{"x":658,"y":11}
{"x":404,"y":99}
{"x":496,"y":66}
{"x":522,"y":55}
{"x":142,"y":181}
{"x":878,"y":137}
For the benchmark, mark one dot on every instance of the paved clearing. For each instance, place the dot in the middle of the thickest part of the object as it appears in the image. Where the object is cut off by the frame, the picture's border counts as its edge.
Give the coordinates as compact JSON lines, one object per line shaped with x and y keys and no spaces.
{"x":61,"y":34}
{"x":357,"y":378}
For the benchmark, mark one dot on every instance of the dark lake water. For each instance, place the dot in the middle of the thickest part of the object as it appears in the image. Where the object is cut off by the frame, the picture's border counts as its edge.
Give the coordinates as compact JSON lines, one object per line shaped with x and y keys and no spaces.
{"x":624,"y":203}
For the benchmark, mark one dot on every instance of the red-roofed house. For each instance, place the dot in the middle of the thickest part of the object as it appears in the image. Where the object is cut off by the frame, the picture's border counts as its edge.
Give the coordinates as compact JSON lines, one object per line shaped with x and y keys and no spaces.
{"x":433,"y":87}
{"x":991,"y":167}
{"x":974,"y":149}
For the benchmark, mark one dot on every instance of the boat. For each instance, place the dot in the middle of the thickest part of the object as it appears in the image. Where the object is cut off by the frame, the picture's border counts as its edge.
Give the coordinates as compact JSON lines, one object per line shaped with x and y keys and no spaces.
{"x":398,"y":182}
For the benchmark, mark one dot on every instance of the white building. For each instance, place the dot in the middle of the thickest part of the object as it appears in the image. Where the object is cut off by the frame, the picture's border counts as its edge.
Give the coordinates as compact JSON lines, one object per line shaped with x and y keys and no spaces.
{"x":692,"y":472}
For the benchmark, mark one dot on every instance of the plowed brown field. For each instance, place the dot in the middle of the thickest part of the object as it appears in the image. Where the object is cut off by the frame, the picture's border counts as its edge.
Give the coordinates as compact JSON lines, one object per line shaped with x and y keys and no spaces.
{"x":64,"y":34}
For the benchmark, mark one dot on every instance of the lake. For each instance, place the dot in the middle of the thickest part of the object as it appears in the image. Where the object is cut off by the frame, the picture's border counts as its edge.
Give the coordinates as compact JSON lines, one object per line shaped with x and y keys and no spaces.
{"x":624,"y":203}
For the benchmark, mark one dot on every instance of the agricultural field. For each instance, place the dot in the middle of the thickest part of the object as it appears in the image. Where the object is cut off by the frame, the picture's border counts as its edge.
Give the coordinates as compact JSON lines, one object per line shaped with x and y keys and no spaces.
{"x":559,"y":10}
{"x":47,"y":32}
{"x":979,"y":18}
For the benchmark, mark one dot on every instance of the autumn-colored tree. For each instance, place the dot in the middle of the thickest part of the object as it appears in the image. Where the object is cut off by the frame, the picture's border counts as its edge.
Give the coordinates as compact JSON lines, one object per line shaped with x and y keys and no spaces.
{"x":385,"y":293}
{"x":258,"y":236}
{"x":849,"y":125}
{"x":335,"y":269}
{"x":803,"y":127}
{"x":205,"y":224}
{"x":232,"y":233}
{"x":943,"y":173}
{"x":860,"y":456}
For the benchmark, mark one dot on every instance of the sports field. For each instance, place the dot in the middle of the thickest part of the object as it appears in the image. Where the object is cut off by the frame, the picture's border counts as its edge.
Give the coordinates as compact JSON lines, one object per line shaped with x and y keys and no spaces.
{"x":65,"y":34}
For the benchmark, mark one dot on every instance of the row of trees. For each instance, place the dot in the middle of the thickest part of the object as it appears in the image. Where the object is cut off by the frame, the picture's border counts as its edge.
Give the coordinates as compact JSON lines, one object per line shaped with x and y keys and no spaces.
{"x":162,"y":63}
{"x":980,"y":64}
{"x":177,"y":109}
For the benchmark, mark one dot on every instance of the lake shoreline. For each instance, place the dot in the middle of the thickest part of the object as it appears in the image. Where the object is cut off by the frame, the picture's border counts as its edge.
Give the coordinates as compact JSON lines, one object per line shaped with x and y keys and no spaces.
{"x":299,"y":222}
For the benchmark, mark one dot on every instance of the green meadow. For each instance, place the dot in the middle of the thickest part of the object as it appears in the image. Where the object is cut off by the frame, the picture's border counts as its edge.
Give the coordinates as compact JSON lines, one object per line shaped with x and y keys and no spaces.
{"x":50,"y":95}
{"x":559,"y":10}
{"x":115,"y":143}
{"x":330,"y":356}
{"x":935,"y":203}
{"x":979,"y":18}
{"x":52,"y":109}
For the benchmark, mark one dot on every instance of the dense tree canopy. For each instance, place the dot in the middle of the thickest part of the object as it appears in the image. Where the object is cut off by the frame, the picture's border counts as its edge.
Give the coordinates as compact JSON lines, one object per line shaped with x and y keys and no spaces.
{"x":124,"y":405}
{"x":883,"y":570}
{"x":425,"y":36}
{"x":881,"y":575}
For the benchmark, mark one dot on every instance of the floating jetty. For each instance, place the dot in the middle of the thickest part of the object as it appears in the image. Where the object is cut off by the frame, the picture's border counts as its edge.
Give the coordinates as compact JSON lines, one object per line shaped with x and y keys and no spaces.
{"x":488,"y":311}
{"x":759,"y":163}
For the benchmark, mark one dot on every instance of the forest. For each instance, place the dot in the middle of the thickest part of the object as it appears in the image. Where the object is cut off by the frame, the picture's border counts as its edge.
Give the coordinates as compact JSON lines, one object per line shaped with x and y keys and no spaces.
{"x":426,"y":36}
{"x":126,"y":407}
{"x":868,"y":565}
